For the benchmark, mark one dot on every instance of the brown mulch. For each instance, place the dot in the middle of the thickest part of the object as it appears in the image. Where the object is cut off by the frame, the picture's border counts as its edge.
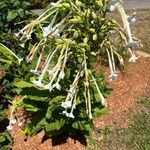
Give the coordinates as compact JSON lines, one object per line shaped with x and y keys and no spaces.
{"x":126,"y":89}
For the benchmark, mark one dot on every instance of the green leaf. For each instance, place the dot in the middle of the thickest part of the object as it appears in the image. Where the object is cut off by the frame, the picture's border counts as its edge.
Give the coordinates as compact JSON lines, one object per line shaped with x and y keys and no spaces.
{"x":56,"y":127}
{"x":11,"y":16}
{"x":97,"y":112}
{"x":4,"y":51}
{"x":22,"y":84}
{"x":36,"y":123}
{"x":2,"y":138}
{"x":5,"y":61}
{"x":83,"y":125}
{"x":21,"y":12}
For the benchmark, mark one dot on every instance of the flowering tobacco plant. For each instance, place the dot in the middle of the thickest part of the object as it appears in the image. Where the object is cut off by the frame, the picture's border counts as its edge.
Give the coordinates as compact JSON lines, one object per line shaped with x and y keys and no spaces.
{"x":63,"y":91}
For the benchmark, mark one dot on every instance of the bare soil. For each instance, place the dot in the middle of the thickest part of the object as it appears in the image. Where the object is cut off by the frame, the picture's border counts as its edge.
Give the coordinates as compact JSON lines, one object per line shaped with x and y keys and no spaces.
{"x":126,"y":89}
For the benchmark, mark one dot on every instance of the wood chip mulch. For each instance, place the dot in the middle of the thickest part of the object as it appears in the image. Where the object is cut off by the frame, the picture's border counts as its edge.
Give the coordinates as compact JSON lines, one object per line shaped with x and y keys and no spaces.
{"x":126,"y":89}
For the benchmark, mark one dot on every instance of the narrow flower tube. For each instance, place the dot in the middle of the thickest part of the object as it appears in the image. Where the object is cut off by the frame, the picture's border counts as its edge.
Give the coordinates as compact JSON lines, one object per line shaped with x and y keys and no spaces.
{"x":12,"y":53}
{"x":113,"y":75}
{"x":103,"y":101}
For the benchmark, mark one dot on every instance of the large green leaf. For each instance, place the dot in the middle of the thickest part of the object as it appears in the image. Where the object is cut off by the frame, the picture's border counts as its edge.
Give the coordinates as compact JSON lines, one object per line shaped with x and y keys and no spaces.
{"x":83,"y":125}
{"x":11,"y":15}
{"x":23,"y":84}
{"x":36,"y":123}
{"x":5,"y":61}
{"x":5,"y":141}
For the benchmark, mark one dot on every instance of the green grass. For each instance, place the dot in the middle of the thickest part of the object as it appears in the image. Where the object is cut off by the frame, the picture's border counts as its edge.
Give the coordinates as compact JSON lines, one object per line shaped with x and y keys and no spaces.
{"x":137,"y":136}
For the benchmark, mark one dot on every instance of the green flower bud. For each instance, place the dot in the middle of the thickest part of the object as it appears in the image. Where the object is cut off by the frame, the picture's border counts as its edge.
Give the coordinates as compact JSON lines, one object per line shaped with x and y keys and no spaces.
{"x":94,"y":37}
{"x":67,"y":5}
{"x":94,"y":15}
{"x":59,"y":46}
{"x":77,"y":19}
{"x":59,"y":41}
{"x":99,"y":3}
{"x":92,"y":30}
{"x":76,"y":34}
{"x":85,"y":40}
{"x":78,"y":3}
{"x":93,"y":53}
{"x":59,"y":6}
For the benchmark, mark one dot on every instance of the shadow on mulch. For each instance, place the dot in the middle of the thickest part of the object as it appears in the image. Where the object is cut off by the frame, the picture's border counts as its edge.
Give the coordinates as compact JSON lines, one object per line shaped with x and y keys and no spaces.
{"x":63,"y":138}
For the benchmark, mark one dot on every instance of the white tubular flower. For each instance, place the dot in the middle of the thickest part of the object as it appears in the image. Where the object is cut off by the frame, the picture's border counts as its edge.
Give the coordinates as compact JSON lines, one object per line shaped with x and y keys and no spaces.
{"x":66,"y":104}
{"x":61,"y":74}
{"x":133,"y":58}
{"x":38,"y":83}
{"x":132,"y":44}
{"x":13,"y":121}
{"x":57,"y":86}
{"x":9,"y":127}
{"x":20,"y":124}
{"x":48,"y":87}
{"x":12,"y":53}
{"x":112,"y":5}
{"x":70,"y":115}
{"x":51,"y":30}
{"x":112,"y":76}
{"x":20,"y":60}
{"x":22,"y":45}
{"x":54,"y":4}
{"x":90,"y":116}
{"x":35,"y":71}
{"x":131,"y":18}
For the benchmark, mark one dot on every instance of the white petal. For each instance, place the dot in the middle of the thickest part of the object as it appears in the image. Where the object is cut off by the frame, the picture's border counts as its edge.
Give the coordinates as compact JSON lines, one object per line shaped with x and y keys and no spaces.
{"x":38,"y":83}
{"x":20,"y":124}
{"x":20,"y":60}
{"x":57,"y":86}
{"x":70,"y":115}
{"x":112,"y":77}
{"x":61,"y":75}
{"x":66,"y":104}
{"x":10,"y":127}
{"x":13,"y":121}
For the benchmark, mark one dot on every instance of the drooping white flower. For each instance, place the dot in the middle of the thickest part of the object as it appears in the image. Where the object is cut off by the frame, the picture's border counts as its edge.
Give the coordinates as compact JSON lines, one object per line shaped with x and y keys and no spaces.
{"x":20,"y":60}
{"x":57,"y":86}
{"x":9,"y":127}
{"x":38,"y":83}
{"x":61,"y":74}
{"x":35,"y":71}
{"x":90,"y":116}
{"x":70,"y":115}
{"x":132,"y":44}
{"x":112,"y":5}
{"x":66,"y":104}
{"x":48,"y":87}
{"x":22,"y":45}
{"x":112,"y":76}
{"x":13,"y":121}
{"x":20,"y":124}
{"x":54,"y":4}
{"x":51,"y":30}
{"x":133,"y":58}
{"x":131,"y":18}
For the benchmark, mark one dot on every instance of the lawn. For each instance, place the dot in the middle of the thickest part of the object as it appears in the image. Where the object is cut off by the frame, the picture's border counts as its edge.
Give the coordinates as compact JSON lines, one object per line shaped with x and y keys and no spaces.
{"x":137,"y":136}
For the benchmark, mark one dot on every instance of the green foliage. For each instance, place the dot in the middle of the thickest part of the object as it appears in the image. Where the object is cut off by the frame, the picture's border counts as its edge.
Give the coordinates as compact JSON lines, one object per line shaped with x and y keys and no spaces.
{"x":136,"y":136}
{"x":46,"y":110}
{"x":5,"y":138}
{"x":62,"y":90}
